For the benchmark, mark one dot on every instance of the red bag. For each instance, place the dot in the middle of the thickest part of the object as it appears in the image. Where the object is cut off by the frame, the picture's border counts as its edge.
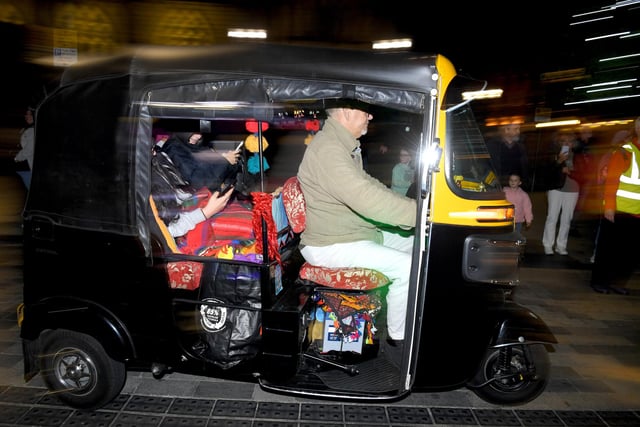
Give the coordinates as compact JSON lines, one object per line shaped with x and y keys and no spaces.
{"x":234,"y":222}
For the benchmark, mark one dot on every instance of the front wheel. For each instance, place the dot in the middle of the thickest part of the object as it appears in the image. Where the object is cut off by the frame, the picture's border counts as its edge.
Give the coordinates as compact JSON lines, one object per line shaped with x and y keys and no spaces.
{"x":512,"y":375}
{"x":77,"y":369}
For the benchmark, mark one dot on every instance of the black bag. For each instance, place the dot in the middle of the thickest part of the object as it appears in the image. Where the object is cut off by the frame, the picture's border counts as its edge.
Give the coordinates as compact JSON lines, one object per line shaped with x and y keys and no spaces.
{"x":166,"y":181}
{"x":229,"y":315}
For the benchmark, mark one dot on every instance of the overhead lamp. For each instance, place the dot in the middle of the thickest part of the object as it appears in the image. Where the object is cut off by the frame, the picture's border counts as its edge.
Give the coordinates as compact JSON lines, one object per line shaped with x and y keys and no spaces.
{"x":482,"y":94}
{"x":392,"y":44}
{"x":249,"y":33}
{"x":568,"y":122}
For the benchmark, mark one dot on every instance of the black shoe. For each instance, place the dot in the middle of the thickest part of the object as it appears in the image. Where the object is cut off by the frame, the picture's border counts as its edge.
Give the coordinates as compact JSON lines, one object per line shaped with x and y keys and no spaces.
{"x":601,"y":289}
{"x":621,"y":291}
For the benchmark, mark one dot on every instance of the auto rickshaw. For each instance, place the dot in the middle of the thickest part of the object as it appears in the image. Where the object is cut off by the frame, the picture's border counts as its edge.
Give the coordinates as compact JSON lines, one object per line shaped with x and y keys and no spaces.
{"x":108,"y":291}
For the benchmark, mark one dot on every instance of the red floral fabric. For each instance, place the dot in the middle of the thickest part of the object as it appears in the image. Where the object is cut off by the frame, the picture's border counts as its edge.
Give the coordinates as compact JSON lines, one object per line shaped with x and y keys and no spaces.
{"x":344,"y":278}
{"x":184,"y":274}
{"x":294,"y":204}
{"x":262,"y":211}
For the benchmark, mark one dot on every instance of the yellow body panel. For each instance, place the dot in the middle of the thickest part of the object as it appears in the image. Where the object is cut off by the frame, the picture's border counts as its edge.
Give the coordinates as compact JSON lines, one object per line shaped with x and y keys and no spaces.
{"x":446,"y":206}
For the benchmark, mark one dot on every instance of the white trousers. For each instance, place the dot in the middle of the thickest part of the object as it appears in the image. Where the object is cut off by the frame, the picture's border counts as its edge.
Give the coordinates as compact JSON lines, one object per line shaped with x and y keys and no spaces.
{"x":393,"y":258}
{"x":563,"y":204}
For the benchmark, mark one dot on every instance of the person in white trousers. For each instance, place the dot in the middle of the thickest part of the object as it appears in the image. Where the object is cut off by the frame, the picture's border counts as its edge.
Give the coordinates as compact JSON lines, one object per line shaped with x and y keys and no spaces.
{"x":562,"y":196}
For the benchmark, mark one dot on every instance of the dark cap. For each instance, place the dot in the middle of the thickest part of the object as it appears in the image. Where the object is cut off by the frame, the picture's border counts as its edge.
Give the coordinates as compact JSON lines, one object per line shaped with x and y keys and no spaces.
{"x":353,"y":104}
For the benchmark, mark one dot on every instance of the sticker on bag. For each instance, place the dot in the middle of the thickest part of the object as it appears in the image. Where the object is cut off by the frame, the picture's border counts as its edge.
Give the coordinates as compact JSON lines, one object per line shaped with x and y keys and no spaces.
{"x":212,"y":316}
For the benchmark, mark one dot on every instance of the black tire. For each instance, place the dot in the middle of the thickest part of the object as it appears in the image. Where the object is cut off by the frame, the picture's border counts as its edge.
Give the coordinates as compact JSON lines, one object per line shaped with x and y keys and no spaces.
{"x":78,"y":371}
{"x":508,"y":387}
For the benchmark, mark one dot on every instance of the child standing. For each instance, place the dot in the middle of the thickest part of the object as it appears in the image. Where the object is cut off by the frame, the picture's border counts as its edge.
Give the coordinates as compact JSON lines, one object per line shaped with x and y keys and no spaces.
{"x":521,"y":201}
{"x":403,"y":173}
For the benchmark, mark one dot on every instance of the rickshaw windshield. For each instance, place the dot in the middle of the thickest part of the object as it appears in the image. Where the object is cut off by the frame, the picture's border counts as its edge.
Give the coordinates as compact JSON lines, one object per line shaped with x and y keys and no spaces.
{"x":469,"y":170}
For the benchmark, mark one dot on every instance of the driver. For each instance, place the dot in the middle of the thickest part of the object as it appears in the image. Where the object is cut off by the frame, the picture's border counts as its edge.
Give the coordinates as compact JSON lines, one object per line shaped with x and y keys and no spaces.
{"x":345,"y":206}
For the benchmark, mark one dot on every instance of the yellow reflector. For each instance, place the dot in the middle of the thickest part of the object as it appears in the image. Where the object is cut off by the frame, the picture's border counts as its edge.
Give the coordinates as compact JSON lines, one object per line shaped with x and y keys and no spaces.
{"x":20,"y":313}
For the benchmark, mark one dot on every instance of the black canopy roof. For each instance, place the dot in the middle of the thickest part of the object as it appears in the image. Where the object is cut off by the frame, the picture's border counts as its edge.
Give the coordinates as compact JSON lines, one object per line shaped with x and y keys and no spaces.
{"x":285,"y":72}
{"x":400,"y":70}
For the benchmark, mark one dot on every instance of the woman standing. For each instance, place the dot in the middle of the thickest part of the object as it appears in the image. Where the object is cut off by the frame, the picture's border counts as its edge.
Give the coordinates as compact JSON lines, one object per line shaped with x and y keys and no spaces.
{"x":562,"y":195}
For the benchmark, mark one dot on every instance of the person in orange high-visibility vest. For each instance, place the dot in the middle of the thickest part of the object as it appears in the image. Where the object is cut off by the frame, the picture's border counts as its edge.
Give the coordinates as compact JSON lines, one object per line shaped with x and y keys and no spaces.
{"x":616,"y":254}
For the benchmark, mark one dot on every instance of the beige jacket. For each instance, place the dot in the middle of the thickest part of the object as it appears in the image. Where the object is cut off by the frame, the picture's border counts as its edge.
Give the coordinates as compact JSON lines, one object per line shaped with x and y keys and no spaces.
{"x":344,"y":203}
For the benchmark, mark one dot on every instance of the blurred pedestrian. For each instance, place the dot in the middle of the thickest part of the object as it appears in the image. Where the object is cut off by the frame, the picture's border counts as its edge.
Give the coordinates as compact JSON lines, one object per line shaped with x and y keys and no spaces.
{"x":521,"y":202}
{"x":616,"y":257}
{"x":403,"y":173}
{"x":562,"y":195}
{"x":585,"y":170}
{"x":587,"y":152}
{"x":509,"y":154}
{"x":24,"y":157}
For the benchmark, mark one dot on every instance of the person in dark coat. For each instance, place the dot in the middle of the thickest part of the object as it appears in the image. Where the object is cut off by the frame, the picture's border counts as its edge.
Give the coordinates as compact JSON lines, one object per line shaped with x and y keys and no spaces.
{"x":509,"y":155}
{"x":199,"y":164}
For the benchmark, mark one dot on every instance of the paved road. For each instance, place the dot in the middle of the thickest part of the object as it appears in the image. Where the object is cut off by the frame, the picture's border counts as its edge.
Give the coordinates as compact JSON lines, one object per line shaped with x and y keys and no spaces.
{"x":595,"y":368}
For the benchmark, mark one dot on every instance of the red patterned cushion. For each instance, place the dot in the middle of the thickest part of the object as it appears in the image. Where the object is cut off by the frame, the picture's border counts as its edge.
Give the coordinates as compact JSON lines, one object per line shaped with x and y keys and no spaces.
{"x":294,"y":204}
{"x":184,"y":274}
{"x":344,"y":278}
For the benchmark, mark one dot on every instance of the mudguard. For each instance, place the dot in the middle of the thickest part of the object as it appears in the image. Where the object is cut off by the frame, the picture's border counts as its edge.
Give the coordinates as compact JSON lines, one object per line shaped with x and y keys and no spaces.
{"x":81,"y":316}
{"x":515,"y":324}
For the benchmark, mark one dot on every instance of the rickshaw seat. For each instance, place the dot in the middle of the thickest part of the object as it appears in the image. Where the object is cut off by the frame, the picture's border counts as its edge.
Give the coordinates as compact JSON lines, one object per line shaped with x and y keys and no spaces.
{"x":346,"y":278}
{"x":353,"y":278}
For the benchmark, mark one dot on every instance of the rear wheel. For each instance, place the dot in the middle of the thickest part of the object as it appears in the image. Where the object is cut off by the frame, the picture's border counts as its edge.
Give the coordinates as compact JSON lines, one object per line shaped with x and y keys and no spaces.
{"x":78,"y":370}
{"x":512,"y":375}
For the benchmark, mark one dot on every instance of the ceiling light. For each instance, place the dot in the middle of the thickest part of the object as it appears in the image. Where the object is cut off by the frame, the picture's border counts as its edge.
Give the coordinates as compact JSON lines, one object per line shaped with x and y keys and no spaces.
{"x":392,"y":44}
{"x":247,"y":33}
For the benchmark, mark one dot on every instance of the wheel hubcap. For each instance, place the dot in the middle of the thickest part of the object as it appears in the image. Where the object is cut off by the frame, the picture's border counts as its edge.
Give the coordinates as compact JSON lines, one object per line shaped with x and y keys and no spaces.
{"x":74,"y":370}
